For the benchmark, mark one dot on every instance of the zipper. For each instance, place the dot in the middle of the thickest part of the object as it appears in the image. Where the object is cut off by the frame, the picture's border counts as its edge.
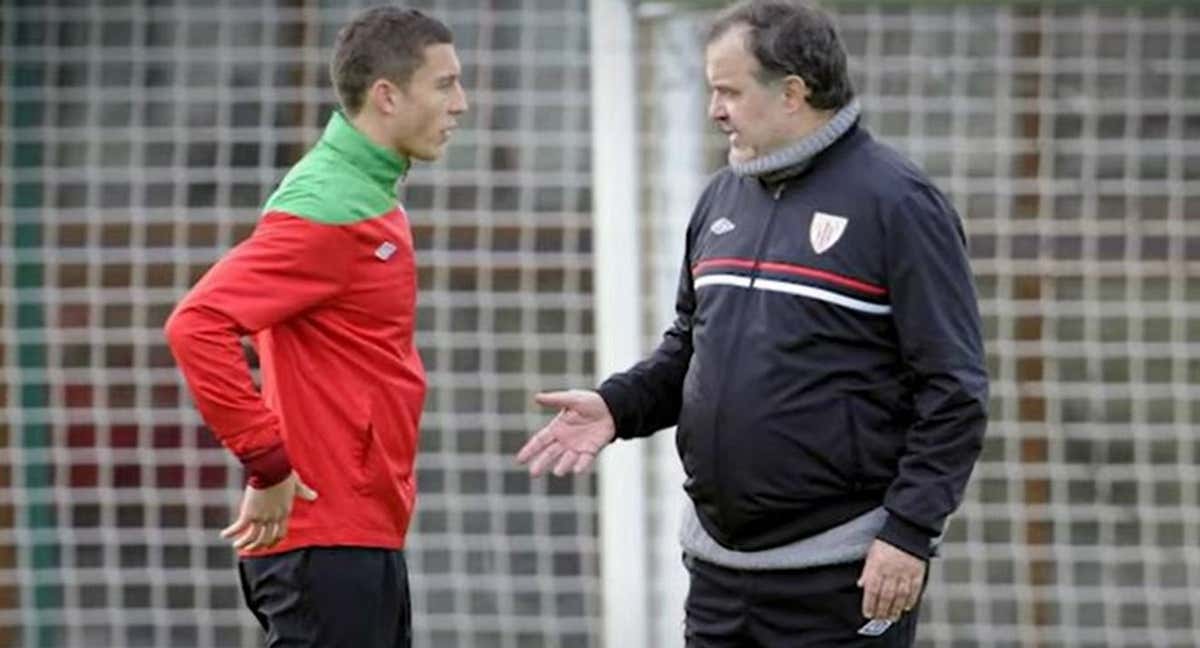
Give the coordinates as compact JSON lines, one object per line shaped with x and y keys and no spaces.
{"x":856,"y":456}
{"x":762,"y":241}
{"x":730,"y":356}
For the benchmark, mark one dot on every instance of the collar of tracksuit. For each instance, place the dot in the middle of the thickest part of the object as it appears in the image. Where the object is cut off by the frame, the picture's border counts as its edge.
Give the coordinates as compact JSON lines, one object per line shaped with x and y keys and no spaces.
{"x":380,"y":164}
{"x":793,"y":159}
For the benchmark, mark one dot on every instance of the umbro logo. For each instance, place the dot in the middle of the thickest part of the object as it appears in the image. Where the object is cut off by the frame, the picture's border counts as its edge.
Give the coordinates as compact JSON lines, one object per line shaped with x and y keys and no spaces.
{"x":722,"y":226}
{"x":385,"y":251}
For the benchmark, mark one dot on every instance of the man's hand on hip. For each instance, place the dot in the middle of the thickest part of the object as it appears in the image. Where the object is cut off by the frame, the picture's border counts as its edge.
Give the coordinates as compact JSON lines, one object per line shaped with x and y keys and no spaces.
{"x":263,"y":519}
{"x":891,"y":581}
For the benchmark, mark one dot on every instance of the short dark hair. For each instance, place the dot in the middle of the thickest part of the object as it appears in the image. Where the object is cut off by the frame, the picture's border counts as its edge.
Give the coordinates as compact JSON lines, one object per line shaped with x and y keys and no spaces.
{"x":792,"y":38}
{"x":381,"y":42}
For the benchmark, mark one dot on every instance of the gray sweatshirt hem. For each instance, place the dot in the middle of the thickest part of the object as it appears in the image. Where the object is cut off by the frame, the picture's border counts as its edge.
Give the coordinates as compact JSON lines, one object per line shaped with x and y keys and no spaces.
{"x":844,"y":543}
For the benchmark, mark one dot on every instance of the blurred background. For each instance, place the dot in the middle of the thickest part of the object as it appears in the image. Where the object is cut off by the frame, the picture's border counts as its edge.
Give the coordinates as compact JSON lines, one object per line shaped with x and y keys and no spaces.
{"x":138,"y":138}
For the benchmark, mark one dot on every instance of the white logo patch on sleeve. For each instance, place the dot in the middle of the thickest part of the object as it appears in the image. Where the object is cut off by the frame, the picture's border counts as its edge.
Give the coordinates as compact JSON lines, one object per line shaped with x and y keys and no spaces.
{"x":825,"y":230}
{"x":385,"y":251}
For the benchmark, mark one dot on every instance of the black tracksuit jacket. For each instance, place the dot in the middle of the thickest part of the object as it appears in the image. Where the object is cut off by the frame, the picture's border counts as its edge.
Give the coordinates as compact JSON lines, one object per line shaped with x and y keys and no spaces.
{"x":812,"y":376}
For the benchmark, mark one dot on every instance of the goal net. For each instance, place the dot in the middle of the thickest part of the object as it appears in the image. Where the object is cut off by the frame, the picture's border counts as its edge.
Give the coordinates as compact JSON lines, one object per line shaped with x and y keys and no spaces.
{"x":137,"y":140}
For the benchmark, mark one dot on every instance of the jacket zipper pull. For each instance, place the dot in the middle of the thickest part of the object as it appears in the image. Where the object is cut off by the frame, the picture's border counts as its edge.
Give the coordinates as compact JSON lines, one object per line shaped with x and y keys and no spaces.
{"x":754,"y":270}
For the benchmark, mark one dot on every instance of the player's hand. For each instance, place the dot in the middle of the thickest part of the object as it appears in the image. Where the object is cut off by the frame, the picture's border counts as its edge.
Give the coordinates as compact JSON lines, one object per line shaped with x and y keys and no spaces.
{"x":263,"y":520}
{"x":571,"y":440}
{"x":891,"y":581}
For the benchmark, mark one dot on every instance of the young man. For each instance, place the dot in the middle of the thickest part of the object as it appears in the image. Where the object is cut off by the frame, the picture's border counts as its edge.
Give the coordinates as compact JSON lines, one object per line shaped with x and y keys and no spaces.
{"x":825,"y":370}
{"x":326,"y":285}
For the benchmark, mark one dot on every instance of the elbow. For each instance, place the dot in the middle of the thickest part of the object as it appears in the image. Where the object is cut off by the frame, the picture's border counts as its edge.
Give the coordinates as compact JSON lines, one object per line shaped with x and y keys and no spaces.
{"x":976,"y":421}
{"x":178,"y":329}
{"x":193,"y":330}
{"x":974,"y":387}
{"x":981,"y":393}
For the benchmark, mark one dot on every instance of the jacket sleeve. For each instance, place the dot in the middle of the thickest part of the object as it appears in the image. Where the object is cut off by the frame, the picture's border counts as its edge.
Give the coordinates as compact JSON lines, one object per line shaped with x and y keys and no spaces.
{"x":287,"y":266}
{"x":648,"y":397}
{"x":938,"y":326}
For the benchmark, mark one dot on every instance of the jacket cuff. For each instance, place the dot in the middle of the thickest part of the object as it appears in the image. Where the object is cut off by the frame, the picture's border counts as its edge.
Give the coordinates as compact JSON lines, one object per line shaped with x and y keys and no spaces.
{"x":906,"y":536}
{"x":267,"y":466}
{"x":617,"y":402}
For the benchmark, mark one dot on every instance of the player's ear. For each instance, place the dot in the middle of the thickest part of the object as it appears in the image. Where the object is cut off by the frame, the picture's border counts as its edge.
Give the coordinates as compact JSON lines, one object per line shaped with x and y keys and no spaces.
{"x":383,"y":96}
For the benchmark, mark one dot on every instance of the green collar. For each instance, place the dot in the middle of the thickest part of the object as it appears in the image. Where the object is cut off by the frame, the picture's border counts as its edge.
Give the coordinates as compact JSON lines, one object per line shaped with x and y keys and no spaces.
{"x":382,"y":165}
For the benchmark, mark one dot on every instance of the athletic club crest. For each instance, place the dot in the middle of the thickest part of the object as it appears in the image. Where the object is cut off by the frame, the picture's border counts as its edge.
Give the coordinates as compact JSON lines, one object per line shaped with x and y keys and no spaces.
{"x":825,"y":230}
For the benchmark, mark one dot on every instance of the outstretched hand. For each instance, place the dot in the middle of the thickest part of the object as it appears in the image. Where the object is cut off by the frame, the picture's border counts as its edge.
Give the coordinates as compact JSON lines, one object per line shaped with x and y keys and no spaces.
{"x":573,"y":438}
{"x":263,"y":519}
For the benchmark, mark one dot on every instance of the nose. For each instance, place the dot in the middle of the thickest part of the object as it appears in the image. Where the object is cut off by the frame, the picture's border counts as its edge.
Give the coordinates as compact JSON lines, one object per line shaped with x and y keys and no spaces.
{"x":716,"y":108}
{"x":458,"y":105}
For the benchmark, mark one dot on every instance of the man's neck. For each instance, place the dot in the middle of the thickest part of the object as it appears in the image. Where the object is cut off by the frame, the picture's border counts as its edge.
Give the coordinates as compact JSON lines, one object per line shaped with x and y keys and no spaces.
{"x":794,"y":157}
{"x":363,"y":142}
{"x":812,"y":121}
{"x":373,"y":130}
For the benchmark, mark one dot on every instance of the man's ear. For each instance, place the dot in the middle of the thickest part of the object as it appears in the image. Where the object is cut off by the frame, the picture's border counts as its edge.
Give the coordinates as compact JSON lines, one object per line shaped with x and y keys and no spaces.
{"x":381,"y":95}
{"x":795,"y":92}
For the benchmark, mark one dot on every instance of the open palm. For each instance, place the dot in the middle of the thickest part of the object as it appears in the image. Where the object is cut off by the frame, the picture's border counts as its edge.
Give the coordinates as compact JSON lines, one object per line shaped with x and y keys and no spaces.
{"x":571,"y":440}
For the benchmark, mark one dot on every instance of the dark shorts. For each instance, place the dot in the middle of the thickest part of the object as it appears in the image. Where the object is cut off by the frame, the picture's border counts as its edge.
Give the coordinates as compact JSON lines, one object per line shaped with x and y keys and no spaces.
{"x":332,"y":597}
{"x":792,"y":608}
